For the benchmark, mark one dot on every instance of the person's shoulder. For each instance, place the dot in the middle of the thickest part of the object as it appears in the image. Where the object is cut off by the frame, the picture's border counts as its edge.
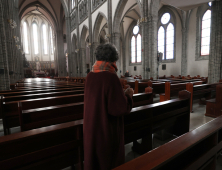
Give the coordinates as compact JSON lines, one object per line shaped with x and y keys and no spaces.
{"x":103,"y":75}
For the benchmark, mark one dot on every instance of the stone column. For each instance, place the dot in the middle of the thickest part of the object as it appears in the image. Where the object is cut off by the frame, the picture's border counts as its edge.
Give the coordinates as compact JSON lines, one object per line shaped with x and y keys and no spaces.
{"x":145,"y":50}
{"x":69,"y":43}
{"x":90,"y":35}
{"x":185,"y":23}
{"x":110,"y":20}
{"x":145,"y":38}
{"x":116,"y":42}
{"x":124,"y":56}
{"x":18,"y":59}
{"x":215,"y":58}
{"x":151,"y":57}
{"x":61,"y":56}
{"x":93,"y":49}
{"x":83,"y":59}
{"x":4,"y":74}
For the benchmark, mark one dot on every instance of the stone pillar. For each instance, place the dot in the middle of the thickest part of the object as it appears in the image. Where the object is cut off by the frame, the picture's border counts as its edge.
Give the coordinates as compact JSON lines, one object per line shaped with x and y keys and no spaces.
{"x":151,"y":57}
{"x":145,"y":58}
{"x":185,"y":24}
{"x":83,"y":59}
{"x":145,"y":38}
{"x":124,"y":56}
{"x":69,"y":43}
{"x":93,"y":49}
{"x":215,"y":57}
{"x":90,"y":35}
{"x":4,"y":74}
{"x":18,"y":58}
{"x":116,"y":42}
{"x":110,"y":20}
{"x":61,"y":56}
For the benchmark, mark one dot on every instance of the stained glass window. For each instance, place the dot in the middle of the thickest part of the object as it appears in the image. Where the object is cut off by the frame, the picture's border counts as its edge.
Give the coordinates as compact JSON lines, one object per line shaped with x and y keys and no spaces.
{"x":26,"y":44}
{"x":139,"y":47}
{"x":165,"y":18}
{"x":166,"y":34}
{"x":51,"y":39}
{"x":133,"y":49}
{"x":45,"y":44}
{"x":73,"y":3}
{"x":161,"y":38}
{"x":205,"y":33}
{"x":136,"y":46}
{"x":35,"y":38}
{"x":170,"y":42}
{"x":136,"y":30}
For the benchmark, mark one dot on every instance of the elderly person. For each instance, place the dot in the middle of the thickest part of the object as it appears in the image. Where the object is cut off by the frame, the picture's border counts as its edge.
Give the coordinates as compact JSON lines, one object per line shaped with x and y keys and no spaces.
{"x":105,"y":103}
{"x":127,"y":74}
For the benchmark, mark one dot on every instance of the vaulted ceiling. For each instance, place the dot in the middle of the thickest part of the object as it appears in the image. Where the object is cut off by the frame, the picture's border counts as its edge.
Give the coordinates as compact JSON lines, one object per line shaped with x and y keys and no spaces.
{"x":51,"y":9}
{"x":185,"y":4}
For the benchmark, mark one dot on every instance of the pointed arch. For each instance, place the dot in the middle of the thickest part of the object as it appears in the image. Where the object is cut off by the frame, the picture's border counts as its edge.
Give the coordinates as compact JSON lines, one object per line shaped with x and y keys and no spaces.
{"x":118,"y":14}
{"x":83,"y":34}
{"x":97,"y":25}
{"x":74,"y":42}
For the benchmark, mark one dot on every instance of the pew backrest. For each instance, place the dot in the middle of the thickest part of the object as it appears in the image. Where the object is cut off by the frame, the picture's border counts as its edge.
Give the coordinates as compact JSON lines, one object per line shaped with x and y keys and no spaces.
{"x":41,"y":117}
{"x":53,"y":147}
{"x":197,"y":149}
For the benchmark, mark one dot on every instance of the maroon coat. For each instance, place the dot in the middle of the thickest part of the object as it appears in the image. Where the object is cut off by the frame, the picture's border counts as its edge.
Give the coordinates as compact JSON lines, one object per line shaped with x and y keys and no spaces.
{"x":104,"y":106}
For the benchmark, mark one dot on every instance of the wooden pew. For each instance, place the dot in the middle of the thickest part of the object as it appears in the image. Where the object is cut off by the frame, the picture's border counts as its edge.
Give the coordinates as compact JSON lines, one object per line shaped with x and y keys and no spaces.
{"x":173,"y":89}
{"x":10,"y":109}
{"x":33,"y":92}
{"x":200,"y":91}
{"x":54,"y":147}
{"x":143,"y":121}
{"x":197,"y":149}
{"x":142,"y":99}
{"x":41,"y":95}
{"x":140,"y":123}
{"x":10,"y":114}
{"x":214,"y":106}
{"x":46,"y":116}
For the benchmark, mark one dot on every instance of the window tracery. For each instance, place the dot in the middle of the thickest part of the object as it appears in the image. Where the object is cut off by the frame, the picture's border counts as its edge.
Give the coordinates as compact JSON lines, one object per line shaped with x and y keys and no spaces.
{"x":166,"y":36}
{"x":136,"y":46}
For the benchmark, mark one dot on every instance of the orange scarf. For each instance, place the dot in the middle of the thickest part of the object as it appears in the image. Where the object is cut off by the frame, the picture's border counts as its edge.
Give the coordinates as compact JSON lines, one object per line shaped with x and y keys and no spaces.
{"x":101,"y":66}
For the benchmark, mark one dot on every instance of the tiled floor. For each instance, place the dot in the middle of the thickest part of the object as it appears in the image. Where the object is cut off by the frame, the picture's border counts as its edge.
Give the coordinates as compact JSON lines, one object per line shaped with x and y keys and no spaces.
{"x":197,"y":119}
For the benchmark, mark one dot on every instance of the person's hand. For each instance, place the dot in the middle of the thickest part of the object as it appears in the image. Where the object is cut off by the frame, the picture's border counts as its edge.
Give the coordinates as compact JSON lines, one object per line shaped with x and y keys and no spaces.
{"x":129,"y":91}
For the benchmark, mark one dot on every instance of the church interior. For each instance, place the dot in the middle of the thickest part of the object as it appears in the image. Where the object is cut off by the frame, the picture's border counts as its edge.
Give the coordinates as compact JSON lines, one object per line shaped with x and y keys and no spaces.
{"x":170,"y":54}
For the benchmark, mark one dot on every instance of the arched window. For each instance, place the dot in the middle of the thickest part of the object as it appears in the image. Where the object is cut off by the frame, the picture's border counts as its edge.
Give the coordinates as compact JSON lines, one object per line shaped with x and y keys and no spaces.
{"x":166,"y":37}
{"x":136,"y":47}
{"x":73,"y":3}
{"x":44,"y":36}
{"x":170,"y":42}
{"x":161,"y":39}
{"x":51,"y":39}
{"x":35,"y":38}
{"x":205,"y":33}
{"x":25,"y":32}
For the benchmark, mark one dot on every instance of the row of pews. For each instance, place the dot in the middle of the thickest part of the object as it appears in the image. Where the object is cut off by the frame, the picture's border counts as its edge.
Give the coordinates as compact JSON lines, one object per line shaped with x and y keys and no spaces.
{"x":50,"y":115}
{"x":168,"y":88}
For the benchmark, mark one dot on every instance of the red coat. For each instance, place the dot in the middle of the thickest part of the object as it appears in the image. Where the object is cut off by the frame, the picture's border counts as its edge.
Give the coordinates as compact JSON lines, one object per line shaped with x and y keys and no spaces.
{"x":104,"y":106}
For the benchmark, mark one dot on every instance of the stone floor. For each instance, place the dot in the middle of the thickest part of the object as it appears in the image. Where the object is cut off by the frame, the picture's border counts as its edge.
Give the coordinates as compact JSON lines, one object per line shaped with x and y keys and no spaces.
{"x":197,"y":119}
